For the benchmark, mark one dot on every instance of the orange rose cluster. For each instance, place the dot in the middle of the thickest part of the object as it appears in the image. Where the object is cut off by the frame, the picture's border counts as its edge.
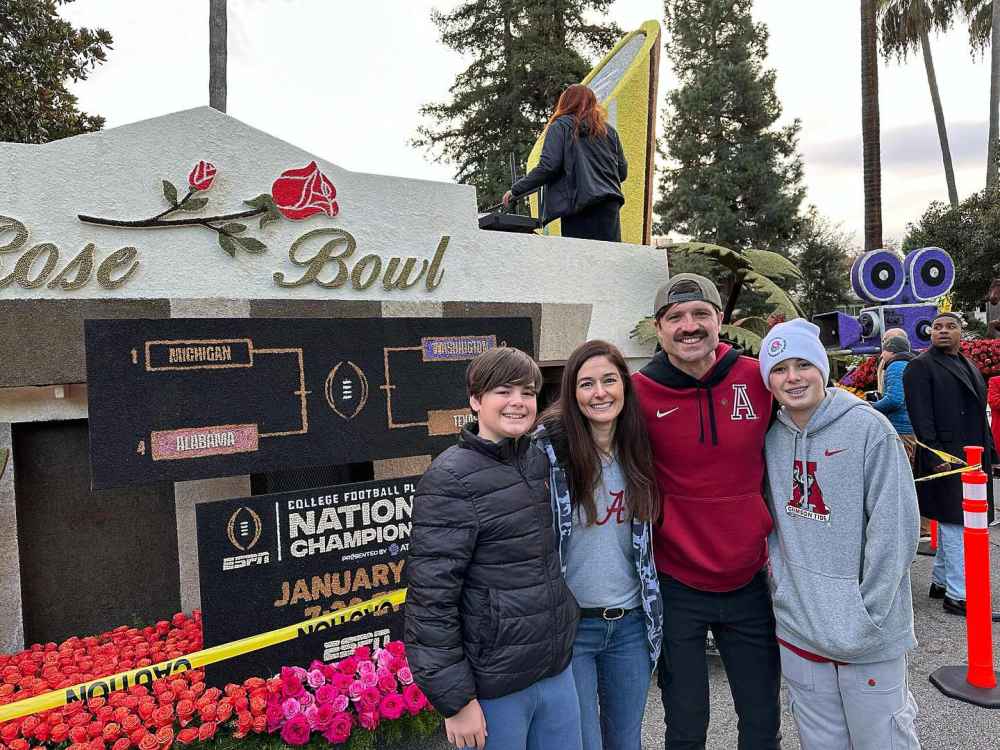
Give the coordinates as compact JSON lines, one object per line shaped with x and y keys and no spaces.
{"x":179,"y":709}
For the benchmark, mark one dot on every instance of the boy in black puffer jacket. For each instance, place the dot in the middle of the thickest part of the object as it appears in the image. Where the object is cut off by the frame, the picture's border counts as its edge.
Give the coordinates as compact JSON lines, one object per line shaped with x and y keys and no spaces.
{"x":489,"y":620}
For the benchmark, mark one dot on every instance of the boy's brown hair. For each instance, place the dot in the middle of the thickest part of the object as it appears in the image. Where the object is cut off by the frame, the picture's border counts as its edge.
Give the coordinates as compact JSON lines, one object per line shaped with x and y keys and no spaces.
{"x":503,"y":365}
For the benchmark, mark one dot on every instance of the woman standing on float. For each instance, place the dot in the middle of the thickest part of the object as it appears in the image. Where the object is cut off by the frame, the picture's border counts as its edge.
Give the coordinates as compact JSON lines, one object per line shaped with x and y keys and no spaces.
{"x":582,"y":167}
{"x":604,"y":498}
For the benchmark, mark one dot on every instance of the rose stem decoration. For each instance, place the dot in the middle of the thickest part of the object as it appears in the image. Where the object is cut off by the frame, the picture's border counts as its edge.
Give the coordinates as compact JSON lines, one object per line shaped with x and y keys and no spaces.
{"x":200,"y":179}
{"x":297,"y":194}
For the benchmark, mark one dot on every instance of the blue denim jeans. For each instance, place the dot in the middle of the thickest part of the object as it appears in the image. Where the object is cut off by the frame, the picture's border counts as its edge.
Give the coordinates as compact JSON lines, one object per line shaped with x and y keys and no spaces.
{"x":612,"y":671}
{"x":949,"y":562}
{"x":543,"y":716}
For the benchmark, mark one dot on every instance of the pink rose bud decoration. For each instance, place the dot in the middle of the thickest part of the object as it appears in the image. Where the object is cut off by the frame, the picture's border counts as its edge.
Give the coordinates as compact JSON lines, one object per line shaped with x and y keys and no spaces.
{"x":301,"y":193}
{"x":202,"y":176}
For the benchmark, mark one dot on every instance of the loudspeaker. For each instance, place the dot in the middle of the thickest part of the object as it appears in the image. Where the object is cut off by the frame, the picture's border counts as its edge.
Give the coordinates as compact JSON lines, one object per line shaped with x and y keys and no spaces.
{"x":839,"y":331}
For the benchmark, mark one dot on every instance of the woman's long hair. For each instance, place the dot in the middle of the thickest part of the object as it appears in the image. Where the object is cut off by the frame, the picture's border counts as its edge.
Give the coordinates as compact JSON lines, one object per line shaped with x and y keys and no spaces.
{"x":578,"y":100}
{"x":630,"y":441}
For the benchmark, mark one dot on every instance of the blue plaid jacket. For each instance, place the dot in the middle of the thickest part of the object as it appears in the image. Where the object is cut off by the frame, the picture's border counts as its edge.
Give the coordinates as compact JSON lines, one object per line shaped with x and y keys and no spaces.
{"x":642,"y":544}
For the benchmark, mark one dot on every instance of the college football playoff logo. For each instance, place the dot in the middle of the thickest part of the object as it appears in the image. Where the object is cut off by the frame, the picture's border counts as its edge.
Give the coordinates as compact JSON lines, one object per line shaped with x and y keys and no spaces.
{"x":243,"y":529}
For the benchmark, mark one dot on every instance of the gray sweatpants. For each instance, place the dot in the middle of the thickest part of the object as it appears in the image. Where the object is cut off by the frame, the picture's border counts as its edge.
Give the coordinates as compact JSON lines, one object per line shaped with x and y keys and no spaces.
{"x":852,"y":706}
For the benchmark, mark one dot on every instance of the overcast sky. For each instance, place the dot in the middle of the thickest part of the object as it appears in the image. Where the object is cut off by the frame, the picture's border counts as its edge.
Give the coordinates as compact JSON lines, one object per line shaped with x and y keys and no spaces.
{"x":344,"y":79}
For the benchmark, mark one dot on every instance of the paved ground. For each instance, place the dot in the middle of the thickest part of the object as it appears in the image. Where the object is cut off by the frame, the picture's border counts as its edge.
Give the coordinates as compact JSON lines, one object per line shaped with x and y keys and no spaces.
{"x":943,"y":723}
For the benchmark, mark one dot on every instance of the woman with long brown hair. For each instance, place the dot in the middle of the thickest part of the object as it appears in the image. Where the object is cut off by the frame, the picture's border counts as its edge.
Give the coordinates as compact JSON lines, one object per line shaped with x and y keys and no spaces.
{"x":605,"y":498}
{"x":582,"y":167}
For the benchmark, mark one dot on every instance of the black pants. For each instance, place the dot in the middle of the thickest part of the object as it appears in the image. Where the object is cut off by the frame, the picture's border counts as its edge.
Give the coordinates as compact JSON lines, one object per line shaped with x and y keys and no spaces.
{"x":597,"y":222}
{"x":743,"y":624}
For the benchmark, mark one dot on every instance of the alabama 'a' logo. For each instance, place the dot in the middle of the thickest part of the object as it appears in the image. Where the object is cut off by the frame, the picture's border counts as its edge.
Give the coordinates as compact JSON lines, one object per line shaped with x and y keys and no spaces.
{"x":811,"y":506}
{"x":742,"y":407}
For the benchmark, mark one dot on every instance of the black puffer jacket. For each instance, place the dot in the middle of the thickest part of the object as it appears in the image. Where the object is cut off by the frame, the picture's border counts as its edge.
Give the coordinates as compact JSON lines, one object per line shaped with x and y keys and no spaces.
{"x":487,"y":610}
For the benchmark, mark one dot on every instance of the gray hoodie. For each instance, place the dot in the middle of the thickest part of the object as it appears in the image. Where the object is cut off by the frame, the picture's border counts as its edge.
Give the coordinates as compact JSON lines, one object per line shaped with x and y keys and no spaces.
{"x":846,"y":527}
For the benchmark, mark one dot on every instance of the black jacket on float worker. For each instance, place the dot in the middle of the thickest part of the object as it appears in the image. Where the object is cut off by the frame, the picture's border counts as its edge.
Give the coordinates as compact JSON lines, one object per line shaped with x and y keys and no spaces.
{"x":577,"y":169}
{"x":487,"y":610}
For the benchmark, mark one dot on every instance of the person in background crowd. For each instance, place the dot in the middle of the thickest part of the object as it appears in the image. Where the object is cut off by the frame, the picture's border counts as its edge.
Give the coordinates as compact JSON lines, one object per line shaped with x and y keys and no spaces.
{"x":604,"y":495}
{"x":946,"y":401}
{"x":896,"y":353}
{"x":843,"y":501}
{"x":707,"y":412}
{"x":895,"y":356}
{"x":582,"y":167}
{"x":882,"y":361}
{"x":490,"y":621}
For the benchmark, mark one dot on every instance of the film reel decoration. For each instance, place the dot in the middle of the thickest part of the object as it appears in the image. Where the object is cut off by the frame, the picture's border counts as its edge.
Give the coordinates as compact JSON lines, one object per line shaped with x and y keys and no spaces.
{"x":346,"y":390}
{"x":878,"y":276}
{"x":930,"y":273}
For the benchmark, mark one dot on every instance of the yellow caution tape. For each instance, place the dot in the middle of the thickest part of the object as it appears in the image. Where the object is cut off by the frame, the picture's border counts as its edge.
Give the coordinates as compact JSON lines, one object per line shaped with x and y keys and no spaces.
{"x":947,"y":457}
{"x":962,"y":470}
{"x":102,"y":686}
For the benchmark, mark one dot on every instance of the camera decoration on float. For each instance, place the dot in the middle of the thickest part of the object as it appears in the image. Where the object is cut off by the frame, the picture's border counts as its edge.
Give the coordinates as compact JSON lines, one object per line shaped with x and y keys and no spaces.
{"x":902,"y":292}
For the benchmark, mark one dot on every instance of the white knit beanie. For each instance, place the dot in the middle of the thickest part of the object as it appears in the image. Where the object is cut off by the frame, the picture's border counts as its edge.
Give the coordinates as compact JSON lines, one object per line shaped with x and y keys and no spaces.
{"x":797,"y":338}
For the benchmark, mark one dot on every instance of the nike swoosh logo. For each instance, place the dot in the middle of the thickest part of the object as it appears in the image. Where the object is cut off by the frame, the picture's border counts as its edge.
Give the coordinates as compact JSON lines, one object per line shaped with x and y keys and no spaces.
{"x":829,"y":452}
{"x":661,"y":414}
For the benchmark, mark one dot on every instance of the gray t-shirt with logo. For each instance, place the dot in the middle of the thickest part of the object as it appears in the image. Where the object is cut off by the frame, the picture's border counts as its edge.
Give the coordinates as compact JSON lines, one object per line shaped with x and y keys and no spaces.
{"x":600,"y":562}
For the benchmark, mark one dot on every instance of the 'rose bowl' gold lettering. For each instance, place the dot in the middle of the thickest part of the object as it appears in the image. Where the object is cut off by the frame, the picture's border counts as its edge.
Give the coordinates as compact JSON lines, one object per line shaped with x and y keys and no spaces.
{"x":366,"y":271}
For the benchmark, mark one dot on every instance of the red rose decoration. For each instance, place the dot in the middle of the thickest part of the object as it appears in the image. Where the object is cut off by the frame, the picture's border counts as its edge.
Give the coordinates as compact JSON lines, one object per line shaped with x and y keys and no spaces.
{"x":300,"y":193}
{"x":165,"y":736}
{"x":78,"y":734}
{"x":111,"y":732}
{"x":206,"y":731}
{"x":122,"y":743}
{"x":187,"y":736}
{"x":259,"y":724}
{"x":59,"y":733}
{"x":201,"y":178}
{"x":148,"y":742}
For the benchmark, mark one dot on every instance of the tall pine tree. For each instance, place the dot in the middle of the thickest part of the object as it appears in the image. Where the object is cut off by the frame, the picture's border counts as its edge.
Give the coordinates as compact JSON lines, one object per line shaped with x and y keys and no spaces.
{"x":733,"y":177}
{"x":524,"y":55}
{"x":39,"y":52}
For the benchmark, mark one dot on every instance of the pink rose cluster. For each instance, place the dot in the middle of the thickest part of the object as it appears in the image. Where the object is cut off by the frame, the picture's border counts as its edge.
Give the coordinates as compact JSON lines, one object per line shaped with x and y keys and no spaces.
{"x":363,"y":690}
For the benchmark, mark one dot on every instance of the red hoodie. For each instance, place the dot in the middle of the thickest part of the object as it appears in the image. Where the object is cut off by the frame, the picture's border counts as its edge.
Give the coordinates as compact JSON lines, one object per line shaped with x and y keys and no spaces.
{"x":708,"y":451}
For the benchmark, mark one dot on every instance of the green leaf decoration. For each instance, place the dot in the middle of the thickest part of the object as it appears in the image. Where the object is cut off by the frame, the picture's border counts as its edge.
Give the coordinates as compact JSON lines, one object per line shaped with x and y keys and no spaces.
{"x":251,"y":245}
{"x":747,"y":340}
{"x":775,"y":295}
{"x":754,"y":324}
{"x":725,"y":257}
{"x":170,"y":193}
{"x":644,"y":331}
{"x":234,"y":228}
{"x":195,"y":204}
{"x":228,"y":244}
{"x":268,"y":218}
{"x":772,"y":265}
{"x":264,"y":200}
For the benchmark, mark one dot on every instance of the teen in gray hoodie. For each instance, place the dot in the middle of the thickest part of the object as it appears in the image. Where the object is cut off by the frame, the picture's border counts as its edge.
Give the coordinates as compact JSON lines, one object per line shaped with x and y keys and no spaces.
{"x":846,"y":527}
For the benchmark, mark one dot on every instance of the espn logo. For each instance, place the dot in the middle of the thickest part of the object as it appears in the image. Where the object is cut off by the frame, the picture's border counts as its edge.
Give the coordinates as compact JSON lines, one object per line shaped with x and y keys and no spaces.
{"x":245,"y":561}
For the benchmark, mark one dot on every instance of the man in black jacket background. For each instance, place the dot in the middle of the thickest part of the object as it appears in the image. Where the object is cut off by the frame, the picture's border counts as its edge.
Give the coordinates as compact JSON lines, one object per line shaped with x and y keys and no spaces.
{"x":946,"y":400}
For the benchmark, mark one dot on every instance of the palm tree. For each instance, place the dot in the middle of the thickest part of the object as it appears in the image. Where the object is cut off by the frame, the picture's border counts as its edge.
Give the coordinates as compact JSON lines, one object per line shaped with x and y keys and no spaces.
{"x":905,"y":25}
{"x":217,"y":54}
{"x":984,"y":28}
{"x":870,"y":135}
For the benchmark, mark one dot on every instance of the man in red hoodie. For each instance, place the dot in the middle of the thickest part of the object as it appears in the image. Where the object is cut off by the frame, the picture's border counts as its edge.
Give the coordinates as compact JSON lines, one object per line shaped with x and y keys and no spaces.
{"x":707,"y":412}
